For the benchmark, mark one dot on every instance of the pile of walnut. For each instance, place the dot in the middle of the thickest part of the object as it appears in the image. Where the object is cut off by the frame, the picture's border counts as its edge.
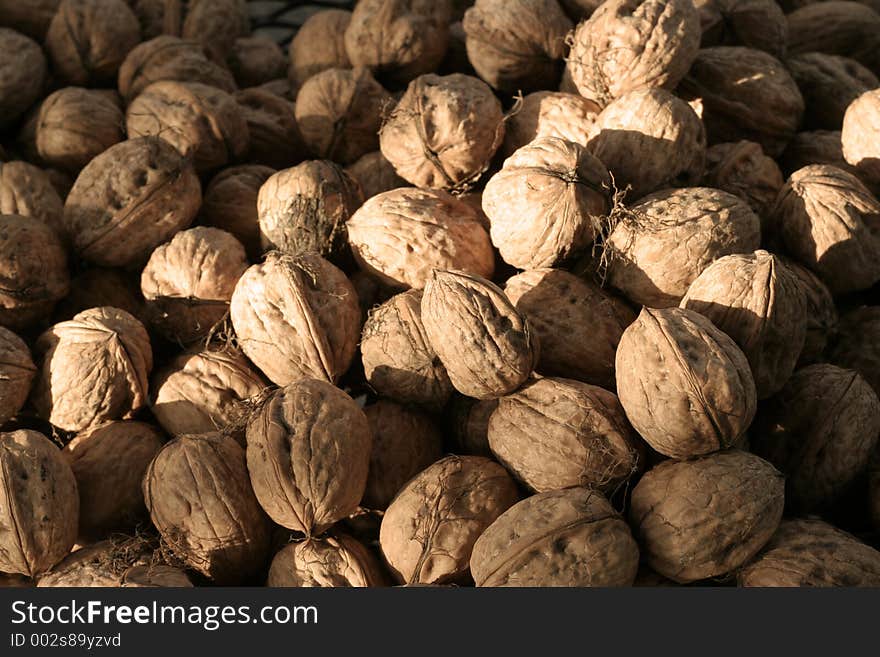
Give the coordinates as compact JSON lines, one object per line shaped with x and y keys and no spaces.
{"x":494,"y":293}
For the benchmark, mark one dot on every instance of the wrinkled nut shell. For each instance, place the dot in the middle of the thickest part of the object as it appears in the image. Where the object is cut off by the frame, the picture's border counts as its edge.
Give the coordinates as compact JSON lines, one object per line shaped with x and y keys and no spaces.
{"x":216,"y":23}
{"x":255,"y":60}
{"x":17,"y":372}
{"x":98,"y":286}
{"x":23,"y":73}
{"x":375,"y":174}
{"x":829,"y":84}
{"x":30,"y":18}
{"x":275,"y":138}
{"x":230,"y":204}
{"x":156,"y":576}
{"x":742,"y":169}
{"x":725,"y":509}
{"x":814,"y":147}
{"x":429,"y":530}
{"x":468,"y":424}
{"x":758,"y":24}
{"x":28,"y":191}
{"x":861,"y":134}
{"x":822,"y":316}
{"x":570,"y":537}
{"x":857,"y":345}
{"x":100,"y":564}
{"x":851,"y":29}
{"x":550,"y":114}
{"x":331,"y":562}
{"x":319,"y":44}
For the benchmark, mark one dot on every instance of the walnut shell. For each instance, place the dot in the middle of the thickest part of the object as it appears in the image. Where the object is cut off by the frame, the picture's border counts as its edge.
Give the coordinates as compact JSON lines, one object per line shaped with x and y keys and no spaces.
{"x":486,"y":345}
{"x":810,"y":552}
{"x":686,"y":386}
{"x":557,"y":433}
{"x":405,"y":442}
{"x":128,"y":200}
{"x":759,"y":302}
{"x":401,"y":236}
{"x":203,"y":123}
{"x":649,"y":138}
{"x":216,"y":23}
{"x":829,"y":221}
{"x":93,"y":368}
{"x":23,"y":73}
{"x":860,"y":134}
{"x":98,"y":286}
{"x":331,"y":562}
{"x":398,"y":39}
{"x":308,"y":451}
{"x":31,"y":18}
{"x":319,"y":44}
{"x":155,"y":575}
{"x":296,"y":317}
{"x":444,"y":131}
{"x":468,"y":425}
{"x":746,"y":94}
{"x":375,"y":174}
{"x":820,"y":430}
{"x":99,"y":565}
{"x":628,"y":45}
{"x":230,"y":204}
{"x":88,"y":40}
{"x":851,"y":29}
{"x":814,"y":147}
{"x":170,"y":58}
{"x":39,"y":506}
{"x":27,"y":191}
{"x":76,"y":125}
{"x":255,"y":60}
{"x":580,"y":9}
{"x":200,"y":499}
{"x":829,"y":83}
{"x":429,"y":530}
{"x":550,"y":114}
{"x":569,"y":537}
{"x":578,"y":324}
{"x":758,"y":24}
{"x":857,"y":345}
{"x":726,"y":507}
{"x":33,"y":270}
{"x":109,"y":463}
{"x":821,"y":313}
{"x":546,"y":203}
{"x":156,"y":16}
{"x":306,"y":208}
{"x":742,"y":169}
{"x":671,"y":237}
{"x":188,"y":282}
{"x":399,"y":363}
{"x":17,"y":372}
{"x":200,"y":391}
{"x":517,"y":45}
{"x":275,"y":138}
{"x":339,"y":113}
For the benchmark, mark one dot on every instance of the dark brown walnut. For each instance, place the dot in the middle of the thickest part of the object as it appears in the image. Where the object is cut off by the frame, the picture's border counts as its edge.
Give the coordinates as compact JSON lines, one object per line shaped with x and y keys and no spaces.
{"x":306,"y":208}
{"x":205,"y":124}
{"x":759,"y":302}
{"x":17,"y":372}
{"x":128,"y":200}
{"x":429,"y":530}
{"x":405,"y":442}
{"x":188,"y":282}
{"x":170,"y":58}
{"x":829,"y":221}
{"x":202,"y":391}
{"x":200,"y":499}
{"x":671,"y":237}
{"x":88,"y":40}
{"x":579,"y":10}
{"x":485,"y":343}
{"x":296,"y":317}
{"x":98,"y":565}
{"x":23,"y":74}
{"x":109,"y":463}
{"x":814,"y":147}
{"x":686,"y":386}
{"x":857,"y":345}
{"x":860,"y":134}
{"x":308,"y":452}
{"x":39,"y":506}
{"x":401,"y":236}
{"x":820,"y":431}
{"x":30,"y":18}
{"x":13,"y":581}
{"x":75,"y":125}
{"x":649,"y":138}
{"x":275,"y":138}
{"x":155,"y":576}
{"x":851,"y":29}
{"x":230,"y":204}
{"x":821,"y":313}
{"x":444,"y":131}
{"x":829,"y":83}
{"x":27,"y":191}
{"x":319,"y":44}
{"x":399,"y":362}
{"x":758,"y":24}
{"x":578,"y":323}
{"x":330,"y":562}
{"x":556,"y":433}
{"x":255,"y":60}
{"x":374,"y":174}
{"x":811,"y":552}
{"x":517,"y":45}
{"x":216,"y":23}
{"x":742,"y":169}
{"x":98,"y":286}
{"x":339,"y":112}
{"x":569,"y":537}
{"x":92,"y":369}
{"x":547,"y":203}
{"x":746,"y":94}
{"x":157,"y":16}
{"x":398,"y":39}
{"x":726,"y":506}
{"x":550,"y":114}
{"x":61,"y":181}
{"x":370,"y":292}
{"x":33,"y":271}
{"x":282,"y":87}
{"x":628,"y":45}
{"x":456,"y":58}
{"x":468,"y":425}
